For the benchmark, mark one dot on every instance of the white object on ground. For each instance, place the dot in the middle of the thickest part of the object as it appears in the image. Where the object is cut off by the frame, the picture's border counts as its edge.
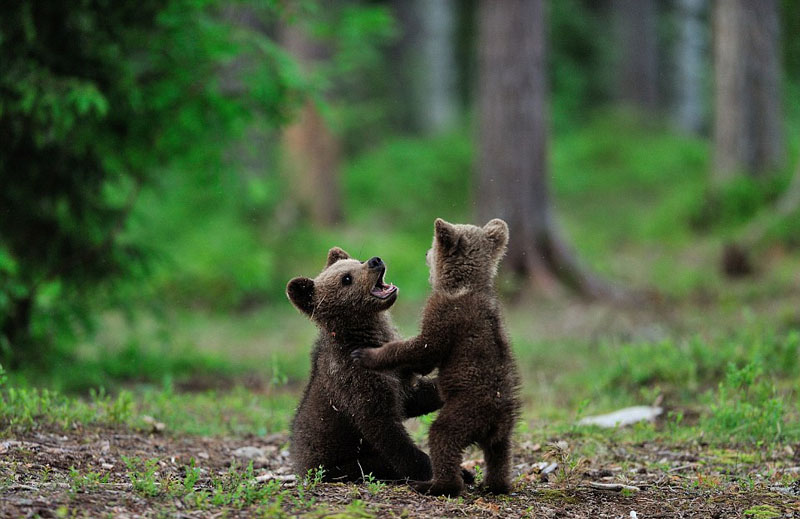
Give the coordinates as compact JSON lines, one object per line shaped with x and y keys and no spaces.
{"x":623,"y":417}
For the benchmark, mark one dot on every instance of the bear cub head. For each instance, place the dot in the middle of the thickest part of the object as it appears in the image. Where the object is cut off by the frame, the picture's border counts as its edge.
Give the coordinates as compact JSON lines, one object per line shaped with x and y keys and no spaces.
{"x":466,"y":256}
{"x":346,"y":288}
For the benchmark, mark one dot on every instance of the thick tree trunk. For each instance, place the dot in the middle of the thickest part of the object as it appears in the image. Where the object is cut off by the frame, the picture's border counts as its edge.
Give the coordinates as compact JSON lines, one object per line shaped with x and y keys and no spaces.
{"x":512,"y":179}
{"x":690,"y":63}
{"x":637,"y":52}
{"x":748,"y":132}
{"x":438,"y":106}
{"x":312,"y":150}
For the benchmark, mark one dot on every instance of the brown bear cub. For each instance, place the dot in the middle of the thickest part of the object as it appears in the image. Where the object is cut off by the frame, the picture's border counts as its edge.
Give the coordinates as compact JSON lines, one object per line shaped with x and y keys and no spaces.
{"x":464,"y":336}
{"x":350,"y":420}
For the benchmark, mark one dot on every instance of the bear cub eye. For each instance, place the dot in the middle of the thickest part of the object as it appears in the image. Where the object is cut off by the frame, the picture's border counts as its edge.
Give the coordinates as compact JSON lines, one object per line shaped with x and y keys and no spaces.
{"x":347,"y":279}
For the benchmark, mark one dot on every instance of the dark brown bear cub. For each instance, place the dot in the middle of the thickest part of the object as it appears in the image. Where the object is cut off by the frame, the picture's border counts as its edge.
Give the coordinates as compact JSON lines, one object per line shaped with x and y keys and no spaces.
{"x":350,"y":420}
{"x":464,"y":336}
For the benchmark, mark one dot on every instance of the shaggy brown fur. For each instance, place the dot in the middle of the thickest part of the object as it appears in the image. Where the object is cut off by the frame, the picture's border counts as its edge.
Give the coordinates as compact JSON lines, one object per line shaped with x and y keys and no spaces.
{"x":350,"y":420}
{"x":464,"y":336}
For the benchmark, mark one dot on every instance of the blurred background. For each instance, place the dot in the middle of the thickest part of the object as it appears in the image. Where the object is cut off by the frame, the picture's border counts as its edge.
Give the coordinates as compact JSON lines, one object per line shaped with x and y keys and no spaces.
{"x":166,"y":166}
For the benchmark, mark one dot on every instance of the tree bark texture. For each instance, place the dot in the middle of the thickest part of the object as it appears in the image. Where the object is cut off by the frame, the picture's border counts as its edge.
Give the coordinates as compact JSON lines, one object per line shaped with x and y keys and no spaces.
{"x":438,"y":106}
{"x":691,"y":64}
{"x":748,"y":130}
{"x":637,"y":52}
{"x":512,"y":165}
{"x":312,"y":150}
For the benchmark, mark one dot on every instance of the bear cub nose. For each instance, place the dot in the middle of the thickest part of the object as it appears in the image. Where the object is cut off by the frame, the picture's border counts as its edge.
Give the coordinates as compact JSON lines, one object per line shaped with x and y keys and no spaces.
{"x":375,"y":262}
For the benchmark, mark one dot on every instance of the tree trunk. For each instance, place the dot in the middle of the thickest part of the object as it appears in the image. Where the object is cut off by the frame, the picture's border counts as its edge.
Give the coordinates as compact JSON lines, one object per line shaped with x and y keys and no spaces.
{"x":636,"y":27}
{"x":748,"y":133}
{"x":312,"y":150}
{"x":437,"y":100}
{"x":16,"y":330}
{"x":512,"y":177}
{"x":690,"y":63}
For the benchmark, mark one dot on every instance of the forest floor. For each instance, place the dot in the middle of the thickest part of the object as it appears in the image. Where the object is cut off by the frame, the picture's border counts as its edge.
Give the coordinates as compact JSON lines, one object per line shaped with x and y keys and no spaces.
{"x":96,"y":471}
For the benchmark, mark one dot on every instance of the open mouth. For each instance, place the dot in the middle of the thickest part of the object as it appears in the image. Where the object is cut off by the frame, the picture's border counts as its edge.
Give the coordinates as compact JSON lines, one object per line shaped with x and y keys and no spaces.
{"x":381,"y":289}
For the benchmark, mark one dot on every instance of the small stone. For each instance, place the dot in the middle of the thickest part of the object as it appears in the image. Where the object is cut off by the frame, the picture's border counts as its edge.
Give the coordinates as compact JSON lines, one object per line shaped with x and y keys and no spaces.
{"x":249,"y":453}
{"x":550,"y":468}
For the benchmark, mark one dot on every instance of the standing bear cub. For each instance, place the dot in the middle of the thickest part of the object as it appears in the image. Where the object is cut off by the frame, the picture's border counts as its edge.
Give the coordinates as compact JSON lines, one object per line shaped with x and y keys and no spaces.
{"x":464,"y":336}
{"x":350,"y":420}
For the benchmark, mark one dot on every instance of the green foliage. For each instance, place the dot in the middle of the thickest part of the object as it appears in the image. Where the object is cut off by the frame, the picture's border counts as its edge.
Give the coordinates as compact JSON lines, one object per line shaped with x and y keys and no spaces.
{"x":239,"y":488}
{"x":736,"y":202}
{"x":790,"y":28}
{"x":94,"y":100}
{"x":85,"y":482}
{"x":579,"y":59}
{"x":688,"y":366}
{"x":143,"y":475}
{"x":747,"y":408}
{"x":374,"y":486}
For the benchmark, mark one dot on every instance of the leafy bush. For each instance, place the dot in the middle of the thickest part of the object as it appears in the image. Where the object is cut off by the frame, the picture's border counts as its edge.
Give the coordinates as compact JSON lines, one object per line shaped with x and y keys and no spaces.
{"x":95,"y":99}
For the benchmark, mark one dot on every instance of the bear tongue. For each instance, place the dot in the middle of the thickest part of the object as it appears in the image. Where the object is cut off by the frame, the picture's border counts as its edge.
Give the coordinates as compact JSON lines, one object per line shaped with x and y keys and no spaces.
{"x":383,"y":290}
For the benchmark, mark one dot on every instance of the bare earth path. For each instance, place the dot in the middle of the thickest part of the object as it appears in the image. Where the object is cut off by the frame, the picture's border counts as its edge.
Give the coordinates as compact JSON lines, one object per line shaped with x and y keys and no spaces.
{"x":102,"y":472}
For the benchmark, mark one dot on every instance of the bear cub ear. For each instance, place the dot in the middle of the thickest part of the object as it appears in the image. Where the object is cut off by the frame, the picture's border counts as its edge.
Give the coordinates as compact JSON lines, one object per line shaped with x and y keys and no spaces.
{"x":336,"y":254}
{"x":300,"y":292}
{"x":445,"y":234}
{"x":497,"y":232}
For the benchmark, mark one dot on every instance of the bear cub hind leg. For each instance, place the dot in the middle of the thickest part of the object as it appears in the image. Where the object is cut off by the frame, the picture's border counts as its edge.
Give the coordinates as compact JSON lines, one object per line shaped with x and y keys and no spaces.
{"x":447,"y":443}
{"x":497,"y":453}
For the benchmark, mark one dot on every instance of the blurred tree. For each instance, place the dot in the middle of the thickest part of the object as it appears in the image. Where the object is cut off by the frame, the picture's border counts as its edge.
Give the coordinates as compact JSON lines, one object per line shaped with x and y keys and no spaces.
{"x":691,"y":64}
{"x":636,"y":29}
{"x":312,"y":150}
{"x":512,"y":167}
{"x":437,"y":105}
{"x":748,"y":128}
{"x":96,"y":98}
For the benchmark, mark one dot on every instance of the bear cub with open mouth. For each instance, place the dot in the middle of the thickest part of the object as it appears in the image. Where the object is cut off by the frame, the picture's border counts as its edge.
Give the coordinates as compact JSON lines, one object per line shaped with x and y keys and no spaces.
{"x":350,"y":419}
{"x":463,"y":334}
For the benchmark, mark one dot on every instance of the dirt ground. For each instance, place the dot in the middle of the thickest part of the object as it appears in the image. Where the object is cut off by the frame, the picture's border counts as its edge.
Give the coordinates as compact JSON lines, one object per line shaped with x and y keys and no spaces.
{"x":84,"y":473}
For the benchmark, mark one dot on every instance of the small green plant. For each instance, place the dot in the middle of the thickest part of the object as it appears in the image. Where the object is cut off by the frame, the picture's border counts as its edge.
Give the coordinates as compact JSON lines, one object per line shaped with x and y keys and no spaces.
{"x":85,"y":482}
{"x":239,"y":489}
{"x":143,"y":475}
{"x":568,"y":471}
{"x":314,"y":477}
{"x":191,"y":477}
{"x":374,"y":486}
{"x":478,"y":475}
{"x":116,"y":410}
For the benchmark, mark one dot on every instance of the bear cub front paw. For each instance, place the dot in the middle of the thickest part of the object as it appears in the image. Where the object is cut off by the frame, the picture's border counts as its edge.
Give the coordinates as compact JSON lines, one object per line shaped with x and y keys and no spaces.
{"x":364,"y":357}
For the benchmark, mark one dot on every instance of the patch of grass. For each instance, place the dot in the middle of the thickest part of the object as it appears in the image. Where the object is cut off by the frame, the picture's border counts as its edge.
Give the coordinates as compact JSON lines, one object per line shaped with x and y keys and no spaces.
{"x":85,"y":482}
{"x":747,"y":408}
{"x":142,"y":475}
{"x":239,"y":488}
{"x":762,"y":512}
{"x":685,"y":367}
{"x":238,"y":411}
